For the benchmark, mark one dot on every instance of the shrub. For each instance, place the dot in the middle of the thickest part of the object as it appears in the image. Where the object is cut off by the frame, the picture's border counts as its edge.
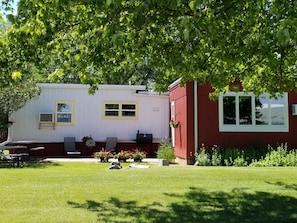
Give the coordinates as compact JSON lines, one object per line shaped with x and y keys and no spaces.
{"x":240,"y":161}
{"x":166,"y":152}
{"x":245,"y":157}
{"x":202,"y":157}
{"x":229,"y":155}
{"x":216,"y":157}
{"x":228,"y":162}
{"x":278,"y":157}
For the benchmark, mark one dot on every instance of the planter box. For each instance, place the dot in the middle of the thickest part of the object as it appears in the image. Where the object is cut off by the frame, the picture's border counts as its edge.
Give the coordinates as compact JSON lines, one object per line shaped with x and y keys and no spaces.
{"x":163,"y":162}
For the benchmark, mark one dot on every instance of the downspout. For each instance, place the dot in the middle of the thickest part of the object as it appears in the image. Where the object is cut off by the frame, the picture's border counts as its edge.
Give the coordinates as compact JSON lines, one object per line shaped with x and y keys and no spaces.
{"x":196,"y":116}
{"x":8,"y":138}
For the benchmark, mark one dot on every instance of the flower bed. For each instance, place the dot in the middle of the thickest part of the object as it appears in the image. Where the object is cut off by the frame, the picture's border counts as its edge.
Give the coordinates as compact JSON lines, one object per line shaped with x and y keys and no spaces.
{"x":138,"y":155}
{"x":103,"y":155}
{"x":123,"y":155}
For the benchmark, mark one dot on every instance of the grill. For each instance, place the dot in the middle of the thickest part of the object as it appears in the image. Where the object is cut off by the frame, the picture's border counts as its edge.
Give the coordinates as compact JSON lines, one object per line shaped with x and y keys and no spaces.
{"x":144,"y":138}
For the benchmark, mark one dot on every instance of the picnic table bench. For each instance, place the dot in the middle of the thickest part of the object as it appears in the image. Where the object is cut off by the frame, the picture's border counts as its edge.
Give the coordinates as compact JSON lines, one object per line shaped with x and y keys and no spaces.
{"x":12,"y":158}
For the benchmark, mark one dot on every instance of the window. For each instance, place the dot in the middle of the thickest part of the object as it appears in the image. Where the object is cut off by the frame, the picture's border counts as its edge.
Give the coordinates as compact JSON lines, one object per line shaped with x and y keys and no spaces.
{"x":121,"y":110}
{"x":64,"y":111}
{"x":242,"y":112}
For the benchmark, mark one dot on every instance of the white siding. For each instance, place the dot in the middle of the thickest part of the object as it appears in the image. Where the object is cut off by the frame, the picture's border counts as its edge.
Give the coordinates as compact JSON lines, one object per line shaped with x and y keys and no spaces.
{"x":153,"y":114}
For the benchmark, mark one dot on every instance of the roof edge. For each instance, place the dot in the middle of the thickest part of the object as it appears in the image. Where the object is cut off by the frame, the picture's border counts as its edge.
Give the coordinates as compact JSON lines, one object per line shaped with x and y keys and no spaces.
{"x":175,"y":83}
{"x":84,"y":86}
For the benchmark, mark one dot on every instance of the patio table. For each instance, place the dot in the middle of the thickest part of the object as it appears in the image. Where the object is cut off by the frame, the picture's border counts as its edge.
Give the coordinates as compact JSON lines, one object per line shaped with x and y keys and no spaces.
{"x":13,"y":157}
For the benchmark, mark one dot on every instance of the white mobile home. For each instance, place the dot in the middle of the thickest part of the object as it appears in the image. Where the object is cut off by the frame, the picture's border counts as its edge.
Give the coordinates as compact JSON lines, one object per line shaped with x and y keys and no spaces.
{"x":64,"y":110}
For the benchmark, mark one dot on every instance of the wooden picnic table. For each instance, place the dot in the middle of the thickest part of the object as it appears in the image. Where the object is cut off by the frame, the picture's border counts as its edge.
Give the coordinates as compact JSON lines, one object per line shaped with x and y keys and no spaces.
{"x":14,"y":158}
{"x":12,"y":147}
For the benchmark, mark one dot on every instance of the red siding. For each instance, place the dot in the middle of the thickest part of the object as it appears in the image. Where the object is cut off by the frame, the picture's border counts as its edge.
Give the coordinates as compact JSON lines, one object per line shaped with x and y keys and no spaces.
{"x":208,"y":124}
{"x":184,"y":134}
{"x":57,"y":149}
{"x":209,"y":127}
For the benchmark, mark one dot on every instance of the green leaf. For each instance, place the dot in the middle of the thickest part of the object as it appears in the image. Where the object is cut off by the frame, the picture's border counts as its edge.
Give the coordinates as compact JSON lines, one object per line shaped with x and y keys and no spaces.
{"x":16,"y":75}
{"x":192,"y":5}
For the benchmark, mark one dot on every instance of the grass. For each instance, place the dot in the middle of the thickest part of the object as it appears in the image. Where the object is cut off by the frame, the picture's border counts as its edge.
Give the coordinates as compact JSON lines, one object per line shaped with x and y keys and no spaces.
{"x":90,"y":192}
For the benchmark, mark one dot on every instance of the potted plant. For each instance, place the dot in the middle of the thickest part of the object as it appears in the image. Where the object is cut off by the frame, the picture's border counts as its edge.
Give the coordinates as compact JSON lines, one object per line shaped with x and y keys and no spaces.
{"x":173,"y":123}
{"x":122,"y":156}
{"x":103,"y":155}
{"x":138,"y":155}
{"x":166,"y":152}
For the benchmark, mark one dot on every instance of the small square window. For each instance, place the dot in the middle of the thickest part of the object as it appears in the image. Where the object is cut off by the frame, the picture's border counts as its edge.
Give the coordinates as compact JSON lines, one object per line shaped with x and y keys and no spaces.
{"x":64,"y":111}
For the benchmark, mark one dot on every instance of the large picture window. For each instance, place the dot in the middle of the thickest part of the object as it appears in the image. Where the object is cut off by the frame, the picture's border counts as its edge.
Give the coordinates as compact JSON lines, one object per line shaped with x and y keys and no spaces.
{"x":242,"y":112}
{"x":64,"y":112}
{"x":122,"y":110}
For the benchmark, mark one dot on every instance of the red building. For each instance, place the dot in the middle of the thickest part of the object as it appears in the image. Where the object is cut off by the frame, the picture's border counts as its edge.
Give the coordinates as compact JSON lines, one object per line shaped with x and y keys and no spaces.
{"x":234,"y":120}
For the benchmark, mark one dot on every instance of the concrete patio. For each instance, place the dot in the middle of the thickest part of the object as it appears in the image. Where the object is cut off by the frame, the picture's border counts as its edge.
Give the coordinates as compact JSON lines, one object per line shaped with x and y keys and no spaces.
{"x":86,"y":160}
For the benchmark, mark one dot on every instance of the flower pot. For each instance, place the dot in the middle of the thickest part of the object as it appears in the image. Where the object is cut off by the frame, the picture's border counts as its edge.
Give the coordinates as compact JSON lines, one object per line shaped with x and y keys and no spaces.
{"x":174,"y":125}
{"x":137,"y":160}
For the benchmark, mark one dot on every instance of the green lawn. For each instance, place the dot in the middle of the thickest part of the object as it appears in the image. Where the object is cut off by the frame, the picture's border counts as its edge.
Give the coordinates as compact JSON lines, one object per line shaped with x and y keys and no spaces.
{"x":90,"y":192}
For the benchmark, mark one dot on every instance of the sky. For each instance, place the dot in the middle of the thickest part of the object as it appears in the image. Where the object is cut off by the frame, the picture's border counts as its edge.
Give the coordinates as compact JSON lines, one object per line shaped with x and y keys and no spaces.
{"x":14,"y":6}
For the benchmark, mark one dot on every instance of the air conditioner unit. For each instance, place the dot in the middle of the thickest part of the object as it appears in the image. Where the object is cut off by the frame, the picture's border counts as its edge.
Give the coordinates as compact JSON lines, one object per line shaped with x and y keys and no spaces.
{"x":46,"y":117}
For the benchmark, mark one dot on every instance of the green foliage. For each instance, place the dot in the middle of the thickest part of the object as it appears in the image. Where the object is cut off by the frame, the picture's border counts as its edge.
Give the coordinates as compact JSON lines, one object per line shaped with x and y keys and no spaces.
{"x":240,"y":161}
{"x":15,"y":97}
{"x":229,"y":155}
{"x":96,"y":42}
{"x":202,"y":157}
{"x":216,"y":157}
{"x":166,"y":151}
{"x":246,"y":157}
{"x":236,"y":155}
{"x":205,"y":157}
{"x":17,"y":85}
{"x":278,"y":157}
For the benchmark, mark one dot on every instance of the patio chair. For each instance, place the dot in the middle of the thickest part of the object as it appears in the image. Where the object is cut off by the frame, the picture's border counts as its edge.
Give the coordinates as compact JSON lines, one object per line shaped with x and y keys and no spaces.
{"x":111,"y":144}
{"x":70,"y":146}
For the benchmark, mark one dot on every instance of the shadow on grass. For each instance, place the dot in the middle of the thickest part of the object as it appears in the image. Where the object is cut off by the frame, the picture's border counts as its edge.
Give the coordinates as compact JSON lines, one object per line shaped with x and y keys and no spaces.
{"x":31,"y":164}
{"x":199,"y":205}
{"x":41,"y":164}
{"x":285,"y":186}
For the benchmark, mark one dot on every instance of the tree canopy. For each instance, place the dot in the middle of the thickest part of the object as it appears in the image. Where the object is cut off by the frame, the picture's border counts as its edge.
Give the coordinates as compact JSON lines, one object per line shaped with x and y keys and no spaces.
{"x":15,"y":89}
{"x":101,"y":41}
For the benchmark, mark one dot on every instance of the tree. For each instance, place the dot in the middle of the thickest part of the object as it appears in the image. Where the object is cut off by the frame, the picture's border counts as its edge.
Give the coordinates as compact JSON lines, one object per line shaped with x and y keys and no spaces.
{"x":15,"y":90}
{"x":216,"y":41}
{"x":15,"y":97}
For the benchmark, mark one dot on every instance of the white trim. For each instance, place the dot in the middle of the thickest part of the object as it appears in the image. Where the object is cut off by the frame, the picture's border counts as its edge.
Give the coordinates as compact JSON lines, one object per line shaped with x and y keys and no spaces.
{"x":83,"y":87}
{"x":175,"y":83}
{"x":196,"y":132}
{"x":172,"y":117}
{"x":172,"y":110}
{"x":151,"y":94}
{"x":252,"y":127}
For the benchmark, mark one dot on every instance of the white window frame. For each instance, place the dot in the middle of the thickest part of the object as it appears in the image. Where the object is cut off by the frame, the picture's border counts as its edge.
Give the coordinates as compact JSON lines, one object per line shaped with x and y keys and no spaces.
{"x":64,"y":112}
{"x":120,"y":110}
{"x":251,"y":127}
